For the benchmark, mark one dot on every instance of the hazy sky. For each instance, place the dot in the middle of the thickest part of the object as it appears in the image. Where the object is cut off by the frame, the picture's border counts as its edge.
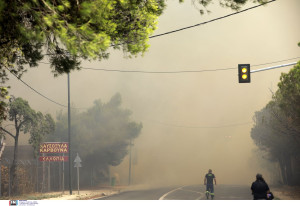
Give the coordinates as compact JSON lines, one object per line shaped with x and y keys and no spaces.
{"x":184,"y":115}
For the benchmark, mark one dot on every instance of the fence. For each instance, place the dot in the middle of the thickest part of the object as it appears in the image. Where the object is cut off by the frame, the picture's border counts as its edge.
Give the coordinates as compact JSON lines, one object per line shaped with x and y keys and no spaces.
{"x":32,"y":176}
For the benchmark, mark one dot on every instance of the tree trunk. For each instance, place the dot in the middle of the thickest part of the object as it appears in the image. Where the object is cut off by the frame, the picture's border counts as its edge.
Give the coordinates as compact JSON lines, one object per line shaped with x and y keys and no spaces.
{"x":283,"y":172}
{"x":289,"y":173}
{"x":13,"y":171}
{"x":296,"y":169}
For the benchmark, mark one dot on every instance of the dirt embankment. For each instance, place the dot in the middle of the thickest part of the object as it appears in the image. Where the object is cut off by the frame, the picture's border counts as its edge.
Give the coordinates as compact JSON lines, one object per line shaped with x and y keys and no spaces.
{"x":286,"y":192}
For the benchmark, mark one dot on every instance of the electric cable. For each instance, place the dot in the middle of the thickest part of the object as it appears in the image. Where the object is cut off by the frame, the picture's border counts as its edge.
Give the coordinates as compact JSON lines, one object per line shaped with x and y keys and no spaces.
{"x":176,"y":72}
{"x":30,"y":87}
{"x":212,"y":20}
{"x":204,"y":127}
{"x":115,"y":70}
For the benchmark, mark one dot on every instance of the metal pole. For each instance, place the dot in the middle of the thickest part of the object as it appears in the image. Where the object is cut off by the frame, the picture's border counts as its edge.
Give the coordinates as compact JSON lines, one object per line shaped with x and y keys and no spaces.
{"x":274,"y":67}
{"x":129,"y":178}
{"x":43,"y":181}
{"x":92,"y":176}
{"x":63,"y":178}
{"x":78,"y":179}
{"x":69,"y":136}
{"x":49,"y":177}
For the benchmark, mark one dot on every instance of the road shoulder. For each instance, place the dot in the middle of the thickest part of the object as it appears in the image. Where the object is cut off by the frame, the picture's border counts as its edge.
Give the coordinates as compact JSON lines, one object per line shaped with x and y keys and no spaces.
{"x":286,"y":192}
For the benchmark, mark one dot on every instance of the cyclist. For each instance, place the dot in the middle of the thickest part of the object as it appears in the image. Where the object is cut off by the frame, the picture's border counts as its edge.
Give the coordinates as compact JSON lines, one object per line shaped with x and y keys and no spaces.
{"x":208,"y":181}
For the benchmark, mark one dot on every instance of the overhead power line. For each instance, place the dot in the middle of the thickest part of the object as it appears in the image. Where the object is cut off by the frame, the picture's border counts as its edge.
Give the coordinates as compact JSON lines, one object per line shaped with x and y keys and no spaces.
{"x":206,"y":22}
{"x":162,"y":123}
{"x":36,"y":90}
{"x":212,"y":20}
{"x":49,"y":99}
{"x":132,"y":71}
{"x":255,"y":65}
{"x":180,"y":71}
{"x":203,"y":127}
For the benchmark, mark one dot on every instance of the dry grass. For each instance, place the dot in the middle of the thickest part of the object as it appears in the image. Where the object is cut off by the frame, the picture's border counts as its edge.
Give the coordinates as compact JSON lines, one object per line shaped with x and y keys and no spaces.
{"x":286,"y":192}
{"x":32,"y":196}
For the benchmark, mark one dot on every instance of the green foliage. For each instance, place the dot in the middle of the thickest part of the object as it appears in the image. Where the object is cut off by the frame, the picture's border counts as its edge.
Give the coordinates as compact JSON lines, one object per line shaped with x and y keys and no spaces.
{"x":69,"y":30}
{"x":101,"y":135}
{"x":289,"y":93}
{"x":83,"y":29}
{"x":42,"y":126}
{"x":277,"y":126}
{"x":78,"y":29}
{"x":3,"y":103}
{"x":21,"y":114}
{"x":25,"y":120}
{"x":271,"y":130}
{"x":233,"y":4}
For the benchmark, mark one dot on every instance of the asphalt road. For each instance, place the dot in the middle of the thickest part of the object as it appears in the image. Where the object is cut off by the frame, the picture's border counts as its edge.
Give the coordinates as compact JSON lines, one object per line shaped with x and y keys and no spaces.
{"x":191,"y":192}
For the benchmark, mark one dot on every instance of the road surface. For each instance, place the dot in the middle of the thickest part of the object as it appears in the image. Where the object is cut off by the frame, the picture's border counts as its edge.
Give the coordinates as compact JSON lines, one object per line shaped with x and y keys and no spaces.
{"x":191,"y":192}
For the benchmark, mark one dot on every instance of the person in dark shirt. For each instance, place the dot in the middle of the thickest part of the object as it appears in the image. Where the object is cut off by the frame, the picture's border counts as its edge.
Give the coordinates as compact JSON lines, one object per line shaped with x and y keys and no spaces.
{"x":260,"y":188}
{"x":208,"y":181}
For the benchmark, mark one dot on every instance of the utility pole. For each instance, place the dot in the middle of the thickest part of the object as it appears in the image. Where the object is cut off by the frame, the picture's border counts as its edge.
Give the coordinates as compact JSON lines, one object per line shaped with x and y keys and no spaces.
{"x":129,"y":176}
{"x":69,"y":136}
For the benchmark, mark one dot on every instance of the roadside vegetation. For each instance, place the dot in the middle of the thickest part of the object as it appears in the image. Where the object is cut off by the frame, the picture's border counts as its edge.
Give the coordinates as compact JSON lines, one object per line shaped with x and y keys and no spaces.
{"x":276,"y":131}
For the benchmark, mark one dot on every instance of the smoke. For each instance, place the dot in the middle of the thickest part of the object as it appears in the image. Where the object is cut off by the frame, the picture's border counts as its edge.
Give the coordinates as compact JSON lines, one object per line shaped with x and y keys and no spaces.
{"x":192,"y":122}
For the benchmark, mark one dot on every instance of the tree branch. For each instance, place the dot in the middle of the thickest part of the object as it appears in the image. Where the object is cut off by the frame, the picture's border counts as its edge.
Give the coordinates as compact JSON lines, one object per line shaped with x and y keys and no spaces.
{"x":7,"y":132}
{"x":292,"y":132}
{"x":21,"y":124}
{"x":49,"y":7}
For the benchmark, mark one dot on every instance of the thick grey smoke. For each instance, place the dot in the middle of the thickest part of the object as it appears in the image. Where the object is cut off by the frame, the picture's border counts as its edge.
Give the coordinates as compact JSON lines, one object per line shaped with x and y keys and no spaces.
{"x":192,"y":122}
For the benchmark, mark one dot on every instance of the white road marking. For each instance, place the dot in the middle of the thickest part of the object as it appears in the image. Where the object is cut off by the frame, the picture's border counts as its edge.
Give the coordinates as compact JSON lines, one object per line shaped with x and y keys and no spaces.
{"x":180,"y":188}
{"x":163,"y":197}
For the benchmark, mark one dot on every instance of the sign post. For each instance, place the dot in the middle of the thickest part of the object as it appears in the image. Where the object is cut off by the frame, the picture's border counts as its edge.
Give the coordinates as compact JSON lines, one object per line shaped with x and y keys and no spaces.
{"x":54,"y":148}
{"x":77,"y":164}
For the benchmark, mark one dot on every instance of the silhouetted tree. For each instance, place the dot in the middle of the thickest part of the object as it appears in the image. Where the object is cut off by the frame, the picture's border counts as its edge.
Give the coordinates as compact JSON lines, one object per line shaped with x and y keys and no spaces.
{"x":277,"y":128}
{"x":101,"y":136}
{"x":25,"y":120}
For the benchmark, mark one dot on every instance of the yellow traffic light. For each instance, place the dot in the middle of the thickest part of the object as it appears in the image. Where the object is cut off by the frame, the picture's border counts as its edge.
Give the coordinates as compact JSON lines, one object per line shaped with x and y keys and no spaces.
{"x":244,"y":73}
{"x":244,"y":76}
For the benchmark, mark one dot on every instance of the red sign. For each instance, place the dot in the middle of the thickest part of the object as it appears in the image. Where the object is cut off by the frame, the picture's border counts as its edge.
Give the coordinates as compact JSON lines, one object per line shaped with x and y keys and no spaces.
{"x":54,"y":159}
{"x":54,"y":147}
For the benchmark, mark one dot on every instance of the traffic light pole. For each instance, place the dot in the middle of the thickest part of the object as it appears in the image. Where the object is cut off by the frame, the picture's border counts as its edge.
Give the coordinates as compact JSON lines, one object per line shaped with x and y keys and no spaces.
{"x":274,"y":67}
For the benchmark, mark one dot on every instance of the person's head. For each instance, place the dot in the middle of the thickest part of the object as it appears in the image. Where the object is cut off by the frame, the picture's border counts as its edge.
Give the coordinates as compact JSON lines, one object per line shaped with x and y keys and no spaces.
{"x":209,"y":171}
{"x":259,"y":177}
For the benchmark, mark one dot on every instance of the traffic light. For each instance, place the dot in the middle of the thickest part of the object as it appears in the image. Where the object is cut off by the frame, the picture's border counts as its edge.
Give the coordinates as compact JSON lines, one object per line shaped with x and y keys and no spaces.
{"x":244,"y":73}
